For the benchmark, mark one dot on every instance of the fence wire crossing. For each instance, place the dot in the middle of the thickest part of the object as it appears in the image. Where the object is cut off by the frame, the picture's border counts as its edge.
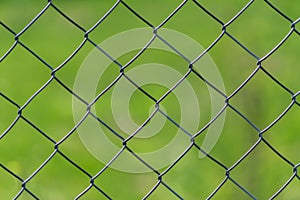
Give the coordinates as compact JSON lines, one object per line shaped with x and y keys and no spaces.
{"x":57,"y":152}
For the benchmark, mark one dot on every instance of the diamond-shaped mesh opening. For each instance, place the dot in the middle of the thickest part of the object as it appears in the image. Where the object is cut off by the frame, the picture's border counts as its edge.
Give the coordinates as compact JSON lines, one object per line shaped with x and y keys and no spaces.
{"x":259,"y":16}
{"x":59,"y":31}
{"x":113,"y":21}
{"x":13,"y":11}
{"x":76,"y":151}
{"x":159,"y":131}
{"x":190,"y":23}
{"x":13,"y":82}
{"x":67,"y":72}
{"x":125,"y":182}
{"x":58,"y":167}
{"x":46,"y":105}
{"x":284,"y":138}
{"x":262,"y":164}
{"x":261,"y":94}
{"x":87,"y":13}
{"x":26,"y":159}
{"x":235,"y":66}
{"x":290,"y":61}
{"x":196,"y":184}
{"x":235,"y":130}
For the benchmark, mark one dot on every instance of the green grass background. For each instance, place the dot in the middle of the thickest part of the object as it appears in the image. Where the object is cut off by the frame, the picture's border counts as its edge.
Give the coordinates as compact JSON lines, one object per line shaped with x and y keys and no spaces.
{"x":53,"y":38}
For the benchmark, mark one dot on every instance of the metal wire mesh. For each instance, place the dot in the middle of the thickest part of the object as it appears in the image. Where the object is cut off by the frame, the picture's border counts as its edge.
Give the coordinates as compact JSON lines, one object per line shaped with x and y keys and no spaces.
{"x":91,"y":177}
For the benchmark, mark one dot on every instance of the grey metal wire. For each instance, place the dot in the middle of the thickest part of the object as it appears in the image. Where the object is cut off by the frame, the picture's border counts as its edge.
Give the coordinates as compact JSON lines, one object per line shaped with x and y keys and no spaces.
{"x":193,"y":145}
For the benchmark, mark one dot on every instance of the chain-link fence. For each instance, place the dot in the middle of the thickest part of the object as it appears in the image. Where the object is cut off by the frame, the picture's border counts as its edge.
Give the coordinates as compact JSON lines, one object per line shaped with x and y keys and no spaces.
{"x":255,"y":45}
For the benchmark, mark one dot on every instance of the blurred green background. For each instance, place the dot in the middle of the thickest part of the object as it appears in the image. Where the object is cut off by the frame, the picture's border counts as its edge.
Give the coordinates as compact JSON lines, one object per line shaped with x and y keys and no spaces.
{"x":54,"y":38}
